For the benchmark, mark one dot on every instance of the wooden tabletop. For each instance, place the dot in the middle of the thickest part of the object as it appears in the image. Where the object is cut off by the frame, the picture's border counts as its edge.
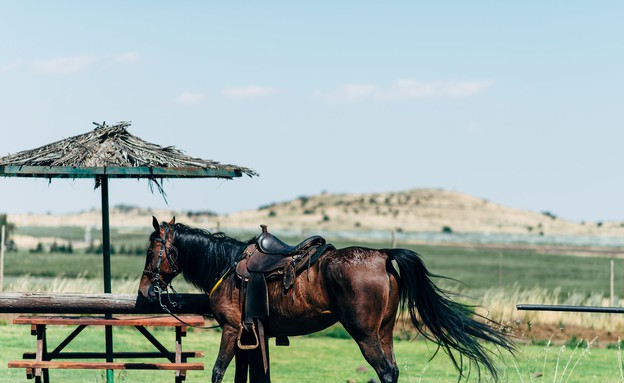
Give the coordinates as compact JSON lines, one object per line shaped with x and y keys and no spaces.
{"x":147,"y":320}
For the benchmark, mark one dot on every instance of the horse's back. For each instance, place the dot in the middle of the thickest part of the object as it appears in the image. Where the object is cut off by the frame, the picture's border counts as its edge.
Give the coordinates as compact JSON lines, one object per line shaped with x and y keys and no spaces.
{"x":341,"y":283}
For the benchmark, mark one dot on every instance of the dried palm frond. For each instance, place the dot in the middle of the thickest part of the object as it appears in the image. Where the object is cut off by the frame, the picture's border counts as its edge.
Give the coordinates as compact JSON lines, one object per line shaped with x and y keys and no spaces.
{"x":111,"y":146}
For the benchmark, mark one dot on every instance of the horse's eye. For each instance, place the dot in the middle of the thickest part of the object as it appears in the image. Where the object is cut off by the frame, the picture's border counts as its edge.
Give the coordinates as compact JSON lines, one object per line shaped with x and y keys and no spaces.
{"x":150,"y":252}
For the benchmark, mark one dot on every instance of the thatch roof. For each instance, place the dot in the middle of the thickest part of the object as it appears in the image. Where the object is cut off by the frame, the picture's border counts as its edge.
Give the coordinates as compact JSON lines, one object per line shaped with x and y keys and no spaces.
{"x":112,"y":151}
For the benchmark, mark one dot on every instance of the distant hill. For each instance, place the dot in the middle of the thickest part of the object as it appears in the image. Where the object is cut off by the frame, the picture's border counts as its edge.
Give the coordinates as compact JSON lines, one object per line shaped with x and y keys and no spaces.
{"x":431,"y":210}
{"x":415,"y":210}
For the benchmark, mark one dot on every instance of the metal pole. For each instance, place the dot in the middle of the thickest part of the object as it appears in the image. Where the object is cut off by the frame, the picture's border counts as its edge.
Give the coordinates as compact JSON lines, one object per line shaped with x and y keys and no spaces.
{"x":2,"y":258}
{"x":568,"y":308}
{"x":110,"y":376}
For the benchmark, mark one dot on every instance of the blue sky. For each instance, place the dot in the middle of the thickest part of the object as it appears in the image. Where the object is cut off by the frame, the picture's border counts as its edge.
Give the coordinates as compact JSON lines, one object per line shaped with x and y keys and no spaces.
{"x":519,"y":103}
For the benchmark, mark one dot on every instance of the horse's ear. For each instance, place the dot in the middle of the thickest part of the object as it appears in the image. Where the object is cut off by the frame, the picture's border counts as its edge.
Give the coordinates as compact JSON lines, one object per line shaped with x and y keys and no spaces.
{"x":155,"y":224}
{"x":172,"y":222}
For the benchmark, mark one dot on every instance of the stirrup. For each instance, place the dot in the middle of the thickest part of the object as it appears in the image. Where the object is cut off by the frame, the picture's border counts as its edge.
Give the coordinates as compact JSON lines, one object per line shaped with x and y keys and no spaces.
{"x":240,"y":335}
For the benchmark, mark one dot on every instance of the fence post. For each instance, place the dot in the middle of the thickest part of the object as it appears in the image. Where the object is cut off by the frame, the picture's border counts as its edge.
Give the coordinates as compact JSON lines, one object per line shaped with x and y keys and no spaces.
{"x":393,"y":242}
{"x":2,"y":257}
{"x":611,"y":284}
{"x":500,"y":268}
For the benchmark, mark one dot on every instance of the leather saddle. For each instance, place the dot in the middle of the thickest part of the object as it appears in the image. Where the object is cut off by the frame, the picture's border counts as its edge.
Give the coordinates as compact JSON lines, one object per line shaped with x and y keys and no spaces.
{"x":269,"y":256}
{"x":270,"y":259}
{"x":270,"y":244}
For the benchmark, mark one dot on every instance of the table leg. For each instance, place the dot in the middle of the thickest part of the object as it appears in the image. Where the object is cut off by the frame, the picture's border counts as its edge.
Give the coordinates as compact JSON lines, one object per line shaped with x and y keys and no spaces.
{"x":40,"y":355}
{"x":180,"y":375}
{"x":46,"y":372}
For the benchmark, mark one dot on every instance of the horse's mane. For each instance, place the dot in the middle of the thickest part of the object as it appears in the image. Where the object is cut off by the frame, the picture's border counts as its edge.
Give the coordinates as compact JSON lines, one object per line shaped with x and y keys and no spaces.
{"x":204,"y":257}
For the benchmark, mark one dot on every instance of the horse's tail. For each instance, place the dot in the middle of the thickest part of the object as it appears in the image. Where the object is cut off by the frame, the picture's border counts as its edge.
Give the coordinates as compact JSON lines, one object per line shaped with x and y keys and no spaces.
{"x":450,"y":324}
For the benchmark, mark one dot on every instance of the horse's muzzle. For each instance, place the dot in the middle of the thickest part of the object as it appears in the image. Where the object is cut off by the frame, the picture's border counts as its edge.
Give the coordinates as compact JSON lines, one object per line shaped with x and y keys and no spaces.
{"x":147,"y":291}
{"x":151,"y":294}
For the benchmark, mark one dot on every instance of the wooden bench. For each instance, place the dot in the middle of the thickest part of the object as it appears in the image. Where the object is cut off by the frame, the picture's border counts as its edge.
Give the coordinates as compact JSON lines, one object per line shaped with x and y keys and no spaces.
{"x":38,"y":363}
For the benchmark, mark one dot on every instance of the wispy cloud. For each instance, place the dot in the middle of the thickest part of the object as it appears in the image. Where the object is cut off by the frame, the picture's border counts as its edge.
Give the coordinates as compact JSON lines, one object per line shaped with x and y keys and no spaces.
{"x":126,"y":57}
{"x":10,"y":66}
{"x":64,"y":65}
{"x":190,"y":98}
{"x":80,"y":63}
{"x":251,"y":91}
{"x":405,"y":89}
{"x":352,"y":92}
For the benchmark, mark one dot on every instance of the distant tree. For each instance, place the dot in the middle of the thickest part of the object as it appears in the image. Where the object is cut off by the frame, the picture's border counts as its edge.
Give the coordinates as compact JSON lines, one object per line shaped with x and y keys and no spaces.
{"x":38,"y":248}
{"x":549,"y":214}
{"x":447,"y":230}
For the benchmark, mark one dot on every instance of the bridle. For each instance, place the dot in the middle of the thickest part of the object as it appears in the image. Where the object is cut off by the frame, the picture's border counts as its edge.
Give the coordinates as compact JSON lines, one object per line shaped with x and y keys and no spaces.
{"x":158,"y":284}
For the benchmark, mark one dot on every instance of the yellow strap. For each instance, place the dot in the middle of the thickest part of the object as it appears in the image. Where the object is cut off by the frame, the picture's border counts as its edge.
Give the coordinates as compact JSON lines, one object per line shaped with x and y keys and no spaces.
{"x":219,"y":282}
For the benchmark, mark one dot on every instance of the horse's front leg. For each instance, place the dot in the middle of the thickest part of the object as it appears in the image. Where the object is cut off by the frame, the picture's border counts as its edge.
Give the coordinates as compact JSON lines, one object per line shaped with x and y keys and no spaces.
{"x":226,"y":353}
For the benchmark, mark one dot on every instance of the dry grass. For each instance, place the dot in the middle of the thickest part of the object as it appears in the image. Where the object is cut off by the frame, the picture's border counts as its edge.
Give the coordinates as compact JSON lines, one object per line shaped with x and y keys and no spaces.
{"x":68,"y":285}
{"x":501,"y":306}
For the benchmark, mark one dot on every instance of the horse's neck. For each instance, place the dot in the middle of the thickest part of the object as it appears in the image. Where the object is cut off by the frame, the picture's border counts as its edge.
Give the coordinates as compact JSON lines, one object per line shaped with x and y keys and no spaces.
{"x":207,"y":259}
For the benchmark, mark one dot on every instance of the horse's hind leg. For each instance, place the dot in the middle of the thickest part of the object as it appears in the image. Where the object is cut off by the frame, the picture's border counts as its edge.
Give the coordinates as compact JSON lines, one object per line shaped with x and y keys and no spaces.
{"x":371,"y":327}
{"x":378,"y":353}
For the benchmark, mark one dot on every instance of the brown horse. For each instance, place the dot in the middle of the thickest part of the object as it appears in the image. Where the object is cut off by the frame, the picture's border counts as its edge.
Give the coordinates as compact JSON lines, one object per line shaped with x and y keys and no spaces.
{"x":361,"y":288}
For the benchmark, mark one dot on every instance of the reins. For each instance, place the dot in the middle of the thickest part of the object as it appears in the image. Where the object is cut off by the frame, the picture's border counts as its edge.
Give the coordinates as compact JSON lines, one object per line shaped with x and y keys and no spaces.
{"x":159,"y":292}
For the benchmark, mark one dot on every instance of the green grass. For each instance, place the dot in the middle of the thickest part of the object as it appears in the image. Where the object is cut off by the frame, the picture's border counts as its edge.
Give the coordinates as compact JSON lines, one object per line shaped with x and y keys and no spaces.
{"x":318,"y":359}
{"x":479,"y":270}
{"x":71,"y":265}
{"x":330,"y":357}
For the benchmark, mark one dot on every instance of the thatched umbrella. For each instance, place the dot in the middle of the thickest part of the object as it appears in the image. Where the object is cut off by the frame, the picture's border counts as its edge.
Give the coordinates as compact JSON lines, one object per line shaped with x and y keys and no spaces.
{"x":112,"y":152}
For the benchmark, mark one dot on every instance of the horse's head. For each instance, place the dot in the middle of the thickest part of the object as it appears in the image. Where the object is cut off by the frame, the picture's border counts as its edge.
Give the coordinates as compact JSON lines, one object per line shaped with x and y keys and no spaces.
{"x":161,"y":264}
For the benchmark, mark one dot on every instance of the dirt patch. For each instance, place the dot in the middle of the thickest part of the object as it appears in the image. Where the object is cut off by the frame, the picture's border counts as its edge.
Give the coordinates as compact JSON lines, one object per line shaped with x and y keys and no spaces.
{"x":570,"y":335}
{"x":541,"y":334}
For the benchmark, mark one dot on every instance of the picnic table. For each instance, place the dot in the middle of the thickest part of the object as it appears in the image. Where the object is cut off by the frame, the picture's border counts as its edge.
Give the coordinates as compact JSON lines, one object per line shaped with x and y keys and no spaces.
{"x":38,"y":363}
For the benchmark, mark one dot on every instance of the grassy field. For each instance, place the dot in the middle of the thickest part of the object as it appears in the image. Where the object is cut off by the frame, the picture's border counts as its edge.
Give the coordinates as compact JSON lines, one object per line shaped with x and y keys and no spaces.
{"x":521,"y":277}
{"x":323,"y":359}
{"x":478,"y":270}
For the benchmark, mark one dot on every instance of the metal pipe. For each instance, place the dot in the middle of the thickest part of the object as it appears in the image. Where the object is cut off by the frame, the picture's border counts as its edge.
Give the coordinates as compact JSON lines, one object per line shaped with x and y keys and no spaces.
{"x":569,"y":308}
{"x":108,"y":330}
